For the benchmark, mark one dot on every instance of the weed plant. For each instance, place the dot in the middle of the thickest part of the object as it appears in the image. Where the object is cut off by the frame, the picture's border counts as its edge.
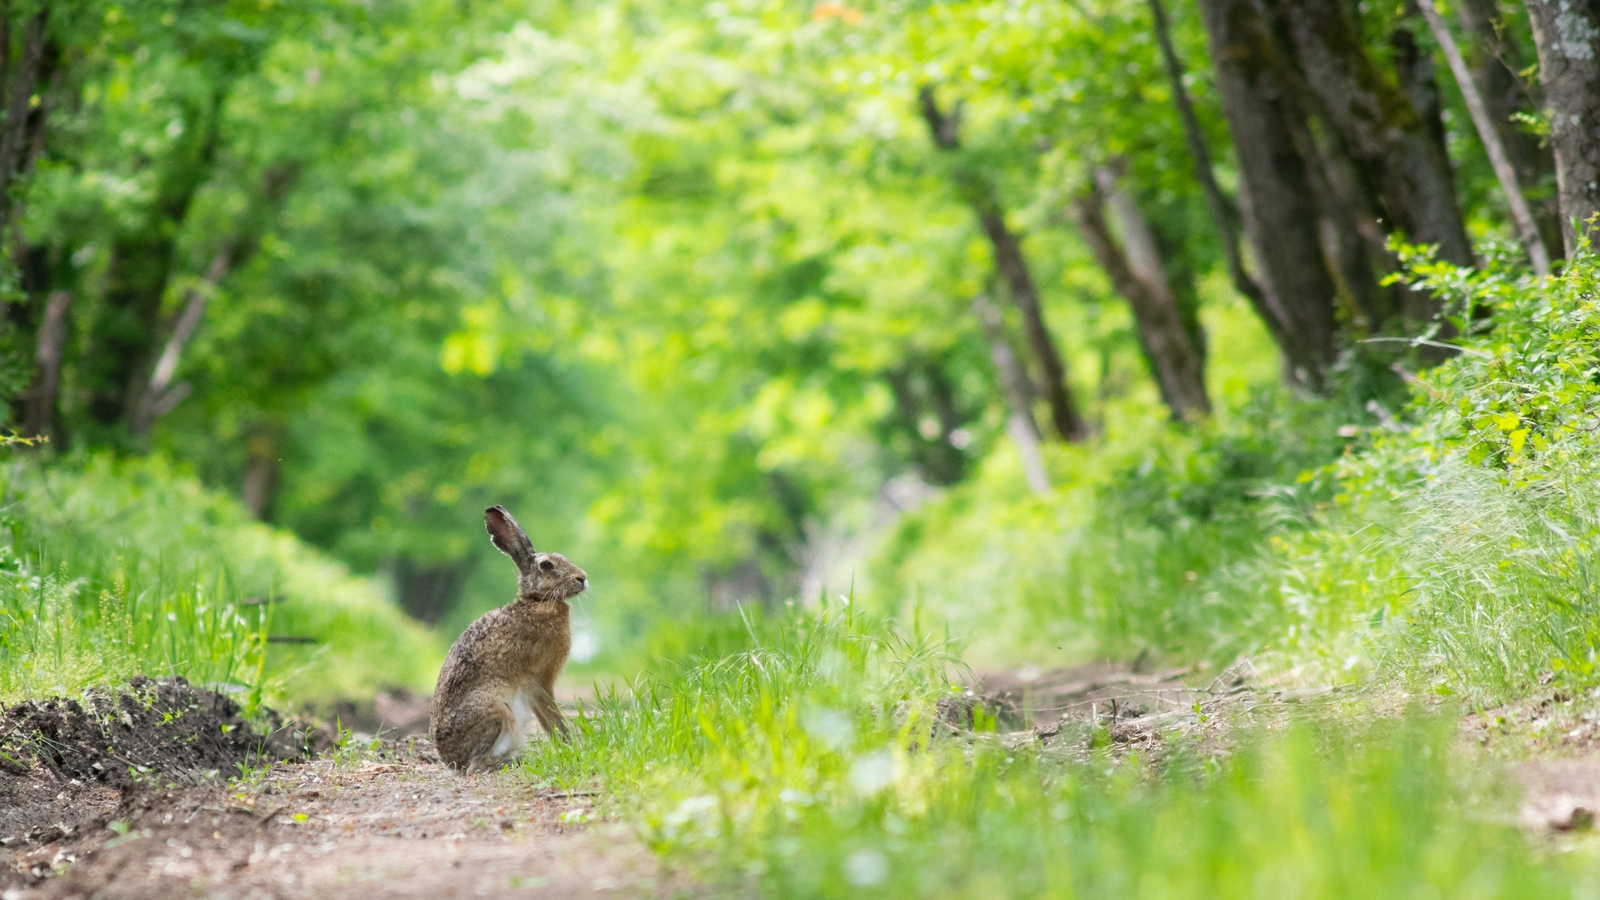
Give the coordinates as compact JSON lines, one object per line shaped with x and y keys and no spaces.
{"x":810,"y":764}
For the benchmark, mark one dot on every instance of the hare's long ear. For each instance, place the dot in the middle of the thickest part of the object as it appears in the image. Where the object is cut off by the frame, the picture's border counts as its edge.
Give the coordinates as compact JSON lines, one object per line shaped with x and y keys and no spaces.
{"x":509,"y":537}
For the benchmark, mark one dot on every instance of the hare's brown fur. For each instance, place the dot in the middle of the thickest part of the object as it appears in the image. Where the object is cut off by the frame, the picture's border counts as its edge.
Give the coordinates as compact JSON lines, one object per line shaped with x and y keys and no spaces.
{"x":502,"y":671}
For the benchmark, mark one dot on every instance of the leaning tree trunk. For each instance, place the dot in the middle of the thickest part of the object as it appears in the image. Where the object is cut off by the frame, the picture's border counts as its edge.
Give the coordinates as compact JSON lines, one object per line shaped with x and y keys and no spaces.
{"x":1386,"y":134}
{"x":124,"y":340}
{"x":1137,"y":274}
{"x":1504,"y":171}
{"x":1276,"y":196}
{"x":1012,"y":268}
{"x":160,"y":394}
{"x":1495,"y":64}
{"x":1567,"y":33}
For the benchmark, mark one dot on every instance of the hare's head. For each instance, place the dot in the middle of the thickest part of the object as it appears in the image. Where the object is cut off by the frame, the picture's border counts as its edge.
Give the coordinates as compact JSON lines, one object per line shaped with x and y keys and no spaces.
{"x":541,"y":576}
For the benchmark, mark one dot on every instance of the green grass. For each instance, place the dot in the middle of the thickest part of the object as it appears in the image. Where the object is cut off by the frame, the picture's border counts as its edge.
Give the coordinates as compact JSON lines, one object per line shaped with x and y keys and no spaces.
{"x":807,"y":765}
{"x":120,"y":568}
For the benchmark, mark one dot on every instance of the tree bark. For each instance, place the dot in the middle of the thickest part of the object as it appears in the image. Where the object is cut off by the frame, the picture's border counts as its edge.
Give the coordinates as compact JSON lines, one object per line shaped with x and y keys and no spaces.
{"x":160,"y":396}
{"x":126,"y":332}
{"x":1276,"y":194}
{"x":1496,"y":66}
{"x":1416,"y":77}
{"x":34,"y":64}
{"x":1354,"y":245}
{"x":1521,"y":214}
{"x":1567,"y":33}
{"x":1386,"y":134}
{"x":260,"y":476}
{"x":1224,"y":215}
{"x":1012,"y":267}
{"x":40,"y":409}
{"x":1018,"y":392}
{"x":1137,"y":274}
{"x":1013,"y":270}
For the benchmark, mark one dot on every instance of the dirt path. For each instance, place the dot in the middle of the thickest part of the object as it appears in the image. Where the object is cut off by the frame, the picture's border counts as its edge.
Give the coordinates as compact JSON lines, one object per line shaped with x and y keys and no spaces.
{"x":1546,"y":745}
{"x":392,"y":829}
{"x":78,"y":817}
{"x":1060,"y":709}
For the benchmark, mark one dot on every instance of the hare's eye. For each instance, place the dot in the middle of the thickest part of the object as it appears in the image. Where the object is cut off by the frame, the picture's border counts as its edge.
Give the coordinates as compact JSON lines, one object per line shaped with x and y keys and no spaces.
{"x":547,"y":565}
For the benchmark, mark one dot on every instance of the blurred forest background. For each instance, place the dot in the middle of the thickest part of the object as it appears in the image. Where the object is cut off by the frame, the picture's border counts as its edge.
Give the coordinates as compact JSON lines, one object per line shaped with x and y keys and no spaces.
{"x":1033,"y":320}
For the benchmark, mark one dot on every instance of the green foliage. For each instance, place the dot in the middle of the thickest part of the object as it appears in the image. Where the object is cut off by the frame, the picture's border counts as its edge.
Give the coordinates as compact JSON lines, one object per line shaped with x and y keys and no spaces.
{"x":1460,"y":549}
{"x":114,"y":569}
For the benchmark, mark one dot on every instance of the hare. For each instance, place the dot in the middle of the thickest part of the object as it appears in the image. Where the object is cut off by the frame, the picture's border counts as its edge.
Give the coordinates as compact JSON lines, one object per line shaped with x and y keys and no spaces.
{"x":501,"y":672}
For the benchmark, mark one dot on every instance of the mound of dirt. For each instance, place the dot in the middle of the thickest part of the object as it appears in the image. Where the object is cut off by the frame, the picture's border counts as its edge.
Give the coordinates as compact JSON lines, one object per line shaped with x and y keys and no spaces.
{"x":67,"y":759}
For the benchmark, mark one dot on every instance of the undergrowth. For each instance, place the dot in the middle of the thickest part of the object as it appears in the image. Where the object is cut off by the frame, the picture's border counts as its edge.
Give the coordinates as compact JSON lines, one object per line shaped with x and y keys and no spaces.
{"x":1460,"y":551}
{"x":1451,"y":540}
{"x":112,"y":569}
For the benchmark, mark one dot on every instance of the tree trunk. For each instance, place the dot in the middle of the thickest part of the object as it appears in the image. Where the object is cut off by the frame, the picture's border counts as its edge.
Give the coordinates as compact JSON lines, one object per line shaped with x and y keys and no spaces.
{"x":1417,"y":78}
{"x":260,"y":476}
{"x":1496,"y":66}
{"x":160,"y":396}
{"x":38,"y":60}
{"x":124,"y":330}
{"x":1012,"y":268}
{"x":1137,"y":274}
{"x":125,"y":337}
{"x":40,"y":410}
{"x":1354,"y":245}
{"x":427,"y":592}
{"x":1521,"y":214}
{"x":1275,"y":191}
{"x":1567,"y":33}
{"x":1386,"y":134}
{"x":1018,"y":392}
{"x":1224,"y":215}
{"x":918,"y":387}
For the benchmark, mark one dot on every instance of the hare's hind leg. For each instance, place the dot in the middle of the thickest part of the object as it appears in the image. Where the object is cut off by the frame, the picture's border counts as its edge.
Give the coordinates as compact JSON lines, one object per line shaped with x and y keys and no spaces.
{"x":549,"y":713}
{"x":494,"y":740}
{"x":474,"y":745}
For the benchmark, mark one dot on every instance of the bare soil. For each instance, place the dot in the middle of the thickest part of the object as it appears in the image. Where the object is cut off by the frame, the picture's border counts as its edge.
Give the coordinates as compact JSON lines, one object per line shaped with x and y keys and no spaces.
{"x":1546,"y":746}
{"x":1075,"y":709}
{"x":93,"y":806}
